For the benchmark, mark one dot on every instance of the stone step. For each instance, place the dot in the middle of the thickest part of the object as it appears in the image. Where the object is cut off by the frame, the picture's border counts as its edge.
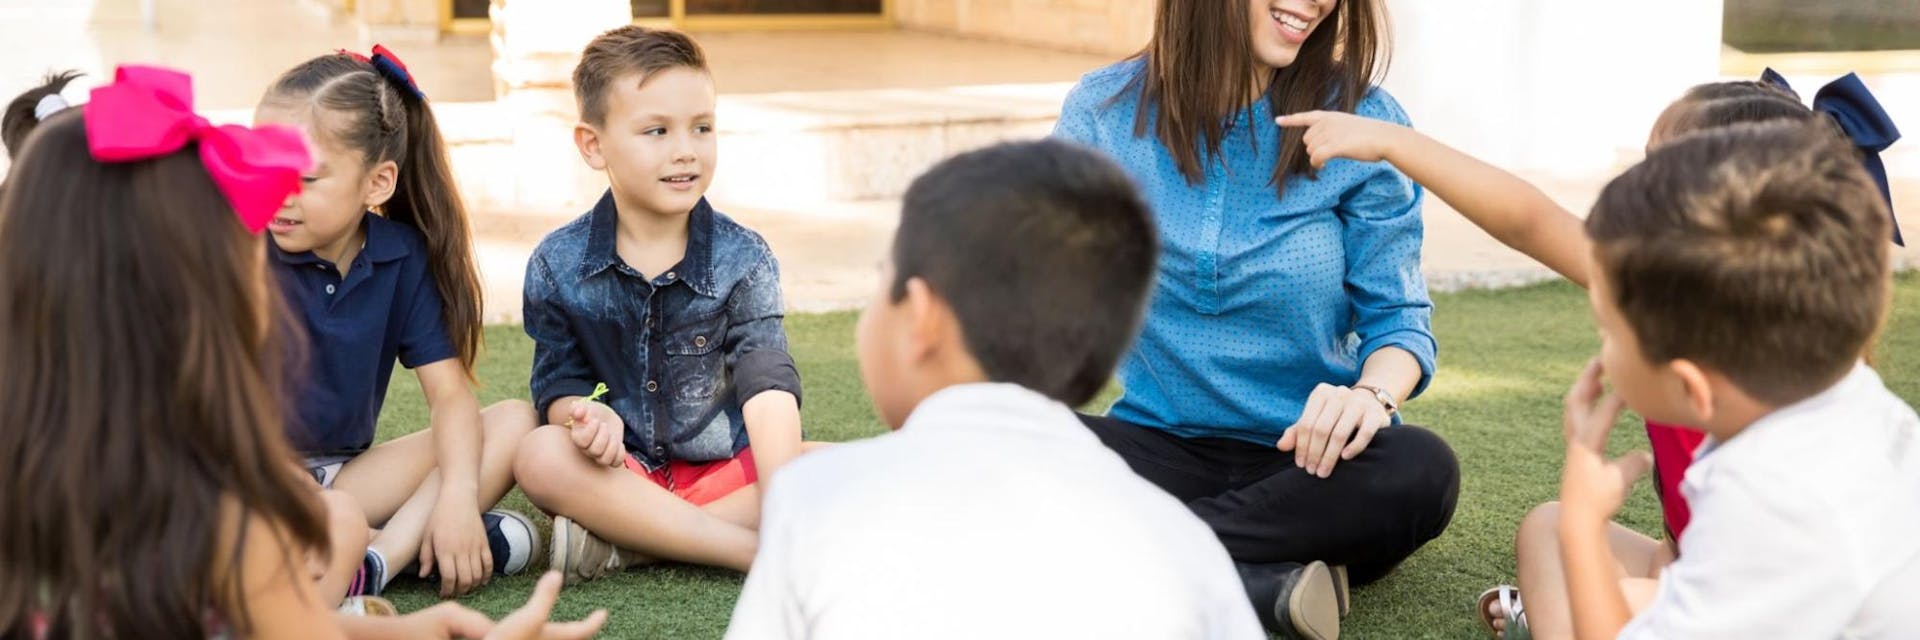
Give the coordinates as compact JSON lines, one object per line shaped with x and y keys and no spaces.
{"x":775,"y":148}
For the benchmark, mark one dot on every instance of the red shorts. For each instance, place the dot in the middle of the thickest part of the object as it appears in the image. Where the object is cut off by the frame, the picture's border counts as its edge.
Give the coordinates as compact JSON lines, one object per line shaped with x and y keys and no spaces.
{"x":701,"y":482}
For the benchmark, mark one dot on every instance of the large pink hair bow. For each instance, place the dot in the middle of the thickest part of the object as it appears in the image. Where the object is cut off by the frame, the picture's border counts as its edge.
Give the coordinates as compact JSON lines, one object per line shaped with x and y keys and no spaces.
{"x":148,"y":112}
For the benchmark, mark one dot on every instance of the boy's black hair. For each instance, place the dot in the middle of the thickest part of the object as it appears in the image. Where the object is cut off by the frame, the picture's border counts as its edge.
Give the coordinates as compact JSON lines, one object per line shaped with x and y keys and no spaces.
{"x":1046,"y":253}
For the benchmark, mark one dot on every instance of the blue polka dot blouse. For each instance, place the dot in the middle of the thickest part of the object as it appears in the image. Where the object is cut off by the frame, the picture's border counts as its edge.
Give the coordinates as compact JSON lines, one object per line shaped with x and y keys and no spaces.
{"x":1259,"y":297}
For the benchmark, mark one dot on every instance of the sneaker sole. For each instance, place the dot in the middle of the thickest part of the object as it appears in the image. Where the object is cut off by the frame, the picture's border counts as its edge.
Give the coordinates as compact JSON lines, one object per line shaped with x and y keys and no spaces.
{"x":562,"y":540}
{"x":1312,"y":607}
{"x":533,"y":537}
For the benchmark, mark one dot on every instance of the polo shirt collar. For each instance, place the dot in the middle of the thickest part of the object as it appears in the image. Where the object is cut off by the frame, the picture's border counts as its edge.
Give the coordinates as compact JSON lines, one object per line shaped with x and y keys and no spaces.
{"x":384,"y":243}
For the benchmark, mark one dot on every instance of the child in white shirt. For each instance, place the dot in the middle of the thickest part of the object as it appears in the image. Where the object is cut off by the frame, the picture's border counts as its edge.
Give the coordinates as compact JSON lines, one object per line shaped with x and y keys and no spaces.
{"x":1739,"y":273}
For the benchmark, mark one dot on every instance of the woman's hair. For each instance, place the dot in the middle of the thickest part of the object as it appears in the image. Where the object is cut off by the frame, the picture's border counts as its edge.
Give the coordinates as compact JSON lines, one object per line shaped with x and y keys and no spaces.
{"x":362,"y":108}
{"x":23,"y":115}
{"x":1200,"y":67}
{"x":142,"y":396}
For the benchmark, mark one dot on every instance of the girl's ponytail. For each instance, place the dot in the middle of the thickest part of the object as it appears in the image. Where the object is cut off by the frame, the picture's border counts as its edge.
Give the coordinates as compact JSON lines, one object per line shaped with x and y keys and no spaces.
{"x":428,"y":199}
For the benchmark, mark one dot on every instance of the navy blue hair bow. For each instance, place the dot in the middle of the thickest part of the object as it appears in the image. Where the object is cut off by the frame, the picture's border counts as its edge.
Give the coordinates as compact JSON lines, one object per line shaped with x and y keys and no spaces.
{"x":391,"y":67}
{"x":1860,"y":115}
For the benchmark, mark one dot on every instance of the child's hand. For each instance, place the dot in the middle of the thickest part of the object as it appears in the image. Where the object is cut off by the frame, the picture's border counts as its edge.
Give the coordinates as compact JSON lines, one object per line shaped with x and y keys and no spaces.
{"x":1593,"y":488}
{"x":530,"y":622}
{"x":1333,"y":134}
{"x":599,"y":432}
{"x":456,"y":544}
{"x":446,"y":620}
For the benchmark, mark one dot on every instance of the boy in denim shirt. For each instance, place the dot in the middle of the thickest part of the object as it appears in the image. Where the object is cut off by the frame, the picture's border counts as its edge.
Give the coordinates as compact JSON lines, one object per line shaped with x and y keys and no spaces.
{"x":677,"y":310}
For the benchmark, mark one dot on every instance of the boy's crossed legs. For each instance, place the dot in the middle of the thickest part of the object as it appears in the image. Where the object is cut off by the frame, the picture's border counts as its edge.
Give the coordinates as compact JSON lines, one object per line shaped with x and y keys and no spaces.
{"x":631,"y":512}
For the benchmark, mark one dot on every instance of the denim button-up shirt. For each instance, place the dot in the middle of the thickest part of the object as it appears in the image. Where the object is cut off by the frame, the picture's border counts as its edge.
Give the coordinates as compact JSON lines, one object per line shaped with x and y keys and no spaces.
{"x":1259,"y":298}
{"x":680,"y":353}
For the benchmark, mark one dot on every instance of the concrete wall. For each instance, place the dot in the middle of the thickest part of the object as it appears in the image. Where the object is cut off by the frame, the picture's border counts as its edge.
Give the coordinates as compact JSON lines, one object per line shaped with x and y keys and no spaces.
{"x":412,"y":21}
{"x":1117,"y":27}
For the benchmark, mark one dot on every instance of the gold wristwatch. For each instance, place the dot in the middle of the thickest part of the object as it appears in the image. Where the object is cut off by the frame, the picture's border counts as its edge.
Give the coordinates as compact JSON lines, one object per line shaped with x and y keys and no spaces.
{"x":1386,"y":399}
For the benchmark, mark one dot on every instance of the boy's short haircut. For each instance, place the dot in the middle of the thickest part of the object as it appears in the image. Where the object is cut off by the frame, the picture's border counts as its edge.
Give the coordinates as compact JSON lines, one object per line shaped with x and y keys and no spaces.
{"x":623,"y":51}
{"x":1046,"y":253}
{"x":1756,"y":250}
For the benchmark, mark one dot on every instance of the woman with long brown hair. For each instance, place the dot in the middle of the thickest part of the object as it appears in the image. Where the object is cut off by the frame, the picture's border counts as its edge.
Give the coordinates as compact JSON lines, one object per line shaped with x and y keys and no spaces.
{"x":148,"y":487}
{"x":1291,"y":319}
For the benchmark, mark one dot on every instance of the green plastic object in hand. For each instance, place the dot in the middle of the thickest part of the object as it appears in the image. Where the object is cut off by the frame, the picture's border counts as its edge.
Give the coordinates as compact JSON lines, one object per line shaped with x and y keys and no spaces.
{"x":599,"y":389}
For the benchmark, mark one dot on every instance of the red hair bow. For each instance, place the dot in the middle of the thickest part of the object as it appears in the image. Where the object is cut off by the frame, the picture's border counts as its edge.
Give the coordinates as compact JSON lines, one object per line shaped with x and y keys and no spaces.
{"x":148,"y":112}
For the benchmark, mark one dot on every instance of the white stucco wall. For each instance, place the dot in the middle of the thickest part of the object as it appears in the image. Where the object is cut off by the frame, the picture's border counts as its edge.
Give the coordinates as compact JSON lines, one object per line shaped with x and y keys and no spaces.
{"x":1557,"y":86}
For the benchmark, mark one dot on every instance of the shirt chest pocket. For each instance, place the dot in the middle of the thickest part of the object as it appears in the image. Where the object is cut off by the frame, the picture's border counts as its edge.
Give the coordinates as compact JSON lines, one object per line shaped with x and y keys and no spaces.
{"x":696,"y":366}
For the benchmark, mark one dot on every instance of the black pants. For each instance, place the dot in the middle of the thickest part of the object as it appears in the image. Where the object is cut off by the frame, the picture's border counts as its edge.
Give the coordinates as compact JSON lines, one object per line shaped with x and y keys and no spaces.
{"x":1373,"y":512}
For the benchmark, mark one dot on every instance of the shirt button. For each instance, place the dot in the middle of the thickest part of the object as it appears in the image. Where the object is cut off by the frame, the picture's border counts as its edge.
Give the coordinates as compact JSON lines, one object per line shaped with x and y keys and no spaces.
{"x":671,"y":275}
{"x":321,"y":267}
{"x":699,"y":341}
{"x":329,"y":289}
{"x":652,"y":386}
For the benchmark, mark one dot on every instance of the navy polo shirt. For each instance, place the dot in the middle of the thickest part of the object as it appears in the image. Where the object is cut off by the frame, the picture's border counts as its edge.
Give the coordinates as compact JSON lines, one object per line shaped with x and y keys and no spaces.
{"x":385,"y":308}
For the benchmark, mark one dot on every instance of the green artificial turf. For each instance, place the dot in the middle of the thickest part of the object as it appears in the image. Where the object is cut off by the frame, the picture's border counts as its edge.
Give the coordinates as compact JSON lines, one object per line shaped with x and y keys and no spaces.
{"x":1506,"y":358}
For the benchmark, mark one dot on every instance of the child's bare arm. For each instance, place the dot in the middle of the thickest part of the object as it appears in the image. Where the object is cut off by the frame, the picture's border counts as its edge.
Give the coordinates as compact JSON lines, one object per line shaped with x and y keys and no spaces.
{"x":456,"y":541}
{"x":1512,"y":210}
{"x":279,"y":597}
{"x":1592,"y":490}
{"x":773,"y":426}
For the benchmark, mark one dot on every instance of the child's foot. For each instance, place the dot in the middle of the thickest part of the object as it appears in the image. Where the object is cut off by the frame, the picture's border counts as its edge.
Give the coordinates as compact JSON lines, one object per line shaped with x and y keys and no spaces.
{"x":1503,"y":614}
{"x":371,"y":579}
{"x":580,"y":556}
{"x":512,"y":539}
{"x":368,"y":606}
{"x":1296,"y":601}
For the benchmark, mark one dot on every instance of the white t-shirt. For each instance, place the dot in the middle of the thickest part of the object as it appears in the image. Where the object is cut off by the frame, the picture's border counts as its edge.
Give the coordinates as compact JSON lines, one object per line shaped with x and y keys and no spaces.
{"x":993,"y":513}
{"x":1805,"y":525}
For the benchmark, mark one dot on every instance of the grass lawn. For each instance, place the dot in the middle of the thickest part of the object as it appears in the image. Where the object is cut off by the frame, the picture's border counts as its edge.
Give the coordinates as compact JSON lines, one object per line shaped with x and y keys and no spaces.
{"x":1506,"y":358}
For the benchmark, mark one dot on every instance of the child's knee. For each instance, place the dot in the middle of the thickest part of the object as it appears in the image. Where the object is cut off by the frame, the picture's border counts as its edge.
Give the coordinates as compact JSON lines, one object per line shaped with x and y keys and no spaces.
{"x":509,"y":420}
{"x":346,"y":521}
{"x":542,"y":461}
{"x":1540,"y":524}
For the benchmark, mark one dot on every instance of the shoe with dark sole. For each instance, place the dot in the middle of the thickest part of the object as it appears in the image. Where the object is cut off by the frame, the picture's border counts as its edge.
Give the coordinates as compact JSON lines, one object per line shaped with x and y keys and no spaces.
{"x":1308,"y":606}
{"x":371,"y":578}
{"x":512,"y":540}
